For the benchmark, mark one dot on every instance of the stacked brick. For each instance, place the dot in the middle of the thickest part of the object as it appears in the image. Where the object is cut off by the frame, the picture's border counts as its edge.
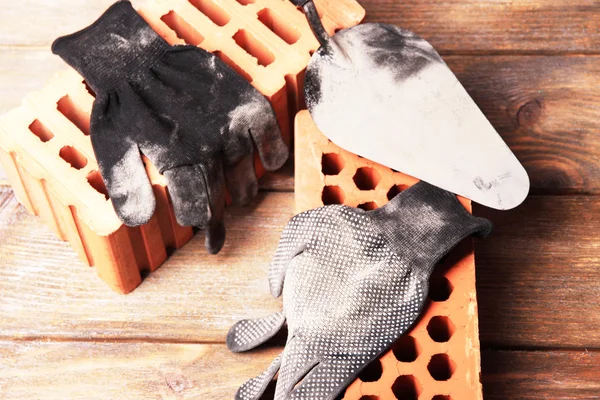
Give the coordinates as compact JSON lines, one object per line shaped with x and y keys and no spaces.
{"x":439,"y":359}
{"x":45,"y":145}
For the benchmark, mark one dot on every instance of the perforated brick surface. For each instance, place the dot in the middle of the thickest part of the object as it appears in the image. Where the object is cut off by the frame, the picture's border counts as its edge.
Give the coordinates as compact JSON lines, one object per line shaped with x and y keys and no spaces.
{"x":439,"y":358}
{"x":46,"y":150}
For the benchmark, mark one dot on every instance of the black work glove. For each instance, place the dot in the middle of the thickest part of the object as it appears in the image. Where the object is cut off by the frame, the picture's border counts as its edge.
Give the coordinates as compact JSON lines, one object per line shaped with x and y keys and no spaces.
{"x":187,"y":111}
{"x":353,"y":282}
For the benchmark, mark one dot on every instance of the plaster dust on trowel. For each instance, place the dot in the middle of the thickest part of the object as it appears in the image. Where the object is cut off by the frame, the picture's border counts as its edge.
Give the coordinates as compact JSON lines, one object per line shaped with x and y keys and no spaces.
{"x":384,"y":93}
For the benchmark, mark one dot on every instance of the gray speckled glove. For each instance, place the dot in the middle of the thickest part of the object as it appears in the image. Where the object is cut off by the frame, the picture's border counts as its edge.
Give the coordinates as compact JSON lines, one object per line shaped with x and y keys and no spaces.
{"x":187,"y":111}
{"x":353,"y":281}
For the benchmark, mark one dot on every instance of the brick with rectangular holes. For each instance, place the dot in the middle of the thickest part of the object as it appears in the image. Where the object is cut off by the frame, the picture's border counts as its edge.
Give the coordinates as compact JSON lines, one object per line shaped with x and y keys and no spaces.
{"x":439,"y":358}
{"x":46,"y":150}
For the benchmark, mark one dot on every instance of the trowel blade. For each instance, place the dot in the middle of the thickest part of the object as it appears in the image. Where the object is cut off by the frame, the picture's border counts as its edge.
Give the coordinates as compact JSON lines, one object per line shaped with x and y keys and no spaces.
{"x":384,"y":93}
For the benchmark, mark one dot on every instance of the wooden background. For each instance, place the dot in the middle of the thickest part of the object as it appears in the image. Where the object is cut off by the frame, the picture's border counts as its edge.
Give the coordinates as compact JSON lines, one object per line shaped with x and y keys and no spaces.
{"x":534,"y":69}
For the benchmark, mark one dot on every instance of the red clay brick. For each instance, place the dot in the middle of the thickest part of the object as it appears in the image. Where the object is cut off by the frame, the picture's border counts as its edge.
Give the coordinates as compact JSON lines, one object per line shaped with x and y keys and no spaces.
{"x":68,"y":193}
{"x":440,"y":355}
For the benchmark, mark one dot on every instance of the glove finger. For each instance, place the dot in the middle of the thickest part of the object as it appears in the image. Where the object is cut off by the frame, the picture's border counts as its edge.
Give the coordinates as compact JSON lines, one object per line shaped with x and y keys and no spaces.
{"x":255,"y":387}
{"x":129,"y":188}
{"x":241,"y":180}
{"x":121,"y":166}
{"x":250,"y":333}
{"x":261,"y":122}
{"x":297,"y":363}
{"x":189,"y":196}
{"x":325,"y":381}
{"x":215,"y":184}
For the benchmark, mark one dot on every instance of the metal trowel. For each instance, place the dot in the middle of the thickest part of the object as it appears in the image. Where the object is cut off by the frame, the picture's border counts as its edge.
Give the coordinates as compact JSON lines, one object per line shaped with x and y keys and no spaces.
{"x":385,"y":93}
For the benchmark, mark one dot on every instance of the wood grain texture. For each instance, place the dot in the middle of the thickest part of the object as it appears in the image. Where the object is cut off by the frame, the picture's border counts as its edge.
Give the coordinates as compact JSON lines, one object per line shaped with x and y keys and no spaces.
{"x":109,"y":370}
{"x":547,"y":110}
{"x":538,"y":279}
{"x":538,"y":274}
{"x":23,"y":71}
{"x":281,"y":180}
{"x":540,"y":375}
{"x":131,"y":371}
{"x":492,"y":26}
{"x":38,"y":22}
{"x":45,"y":291}
{"x":485,"y":26}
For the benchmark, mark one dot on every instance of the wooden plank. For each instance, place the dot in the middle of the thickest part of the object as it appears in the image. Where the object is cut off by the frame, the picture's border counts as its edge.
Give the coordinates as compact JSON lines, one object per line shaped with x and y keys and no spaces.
{"x":538,"y":279}
{"x":23,"y":71}
{"x":451,"y":25}
{"x":546,"y":109}
{"x":538,"y":275}
{"x":540,"y":375}
{"x":38,"y":22}
{"x":67,"y":370}
{"x":46,"y":292}
{"x":121,"y":370}
{"x":531,"y":100}
{"x":492,"y":26}
{"x":281,"y":180}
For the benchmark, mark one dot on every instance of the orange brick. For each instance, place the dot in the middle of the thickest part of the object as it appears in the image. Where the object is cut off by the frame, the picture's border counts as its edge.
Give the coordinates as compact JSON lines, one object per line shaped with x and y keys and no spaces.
{"x":439,"y":358}
{"x":46,"y":150}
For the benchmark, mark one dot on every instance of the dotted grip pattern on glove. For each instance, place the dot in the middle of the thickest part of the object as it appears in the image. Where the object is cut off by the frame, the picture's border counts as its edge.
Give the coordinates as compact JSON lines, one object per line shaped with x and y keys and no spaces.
{"x":353,"y":281}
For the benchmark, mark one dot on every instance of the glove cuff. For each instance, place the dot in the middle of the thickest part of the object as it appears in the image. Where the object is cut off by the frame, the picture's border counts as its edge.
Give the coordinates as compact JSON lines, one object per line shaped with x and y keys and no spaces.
{"x":115,"y":46}
{"x":428,"y":220}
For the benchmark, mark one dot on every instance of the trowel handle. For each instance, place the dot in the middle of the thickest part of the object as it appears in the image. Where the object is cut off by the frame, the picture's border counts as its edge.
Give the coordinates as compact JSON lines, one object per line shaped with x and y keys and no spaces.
{"x":310,"y":10}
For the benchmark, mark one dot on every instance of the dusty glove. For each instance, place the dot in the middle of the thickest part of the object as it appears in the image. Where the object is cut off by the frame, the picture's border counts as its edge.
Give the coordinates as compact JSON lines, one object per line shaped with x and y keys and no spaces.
{"x":187,"y":111}
{"x":353,"y":281}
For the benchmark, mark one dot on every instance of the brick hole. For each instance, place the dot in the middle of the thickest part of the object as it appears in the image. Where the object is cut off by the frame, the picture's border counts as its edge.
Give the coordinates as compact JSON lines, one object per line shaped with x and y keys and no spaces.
{"x":372,"y":372}
{"x":369,"y":397}
{"x":245,"y":2}
{"x":333,"y":195}
{"x":406,"y":349}
{"x":233,"y":65}
{"x":440,"y":329}
{"x":394,"y":190}
{"x":73,"y":156}
{"x":406,"y":387}
{"x":213,"y":11}
{"x":252,"y":46}
{"x":368,"y":206}
{"x":74,"y":114}
{"x":441,"y":367}
{"x":278,"y":25}
{"x":95,"y":180}
{"x":441,"y":397}
{"x":332,"y":164}
{"x":440,"y":288}
{"x":182,"y":29}
{"x":366,"y":178}
{"x":89,"y":89}
{"x":40,"y":130}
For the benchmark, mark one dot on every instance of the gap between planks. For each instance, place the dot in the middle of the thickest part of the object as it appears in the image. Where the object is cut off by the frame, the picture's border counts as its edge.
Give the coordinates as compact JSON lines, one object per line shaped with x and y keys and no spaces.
{"x":201,"y":296}
{"x":134,"y":371}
